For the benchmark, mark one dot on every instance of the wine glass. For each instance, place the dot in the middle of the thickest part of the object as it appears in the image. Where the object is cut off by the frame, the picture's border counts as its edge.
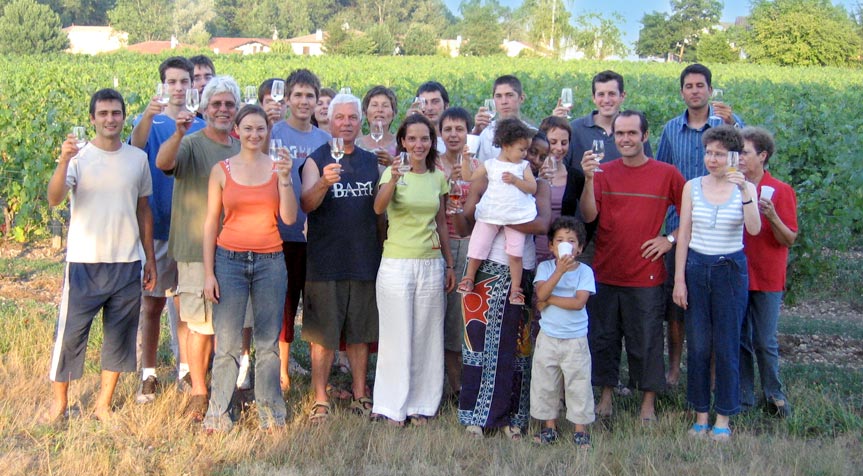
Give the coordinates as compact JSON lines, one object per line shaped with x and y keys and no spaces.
{"x":733,"y":161}
{"x":550,"y":164}
{"x":164,"y":94}
{"x":566,"y":99}
{"x":345,"y":90}
{"x":404,"y":167}
{"x":598,"y":152}
{"x":275,"y":146}
{"x":337,"y":149}
{"x":715,"y":97}
{"x":455,"y":194}
{"x":193,"y":100}
{"x":277,"y":91}
{"x":80,"y":133}
{"x":421,"y":102}
{"x":251,"y":95}
{"x":490,"y":107}
{"x":377,"y":132}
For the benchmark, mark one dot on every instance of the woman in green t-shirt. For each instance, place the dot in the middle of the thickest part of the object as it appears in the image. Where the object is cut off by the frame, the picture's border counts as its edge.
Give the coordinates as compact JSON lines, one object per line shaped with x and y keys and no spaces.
{"x":415,"y":273}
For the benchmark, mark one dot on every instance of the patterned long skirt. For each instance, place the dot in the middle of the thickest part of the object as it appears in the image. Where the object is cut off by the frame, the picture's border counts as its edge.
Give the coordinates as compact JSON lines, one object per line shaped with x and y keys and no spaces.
{"x":496,"y":357}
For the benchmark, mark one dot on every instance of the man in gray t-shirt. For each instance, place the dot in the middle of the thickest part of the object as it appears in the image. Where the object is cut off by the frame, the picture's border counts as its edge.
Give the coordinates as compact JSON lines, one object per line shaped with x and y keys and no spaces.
{"x":189,"y":159}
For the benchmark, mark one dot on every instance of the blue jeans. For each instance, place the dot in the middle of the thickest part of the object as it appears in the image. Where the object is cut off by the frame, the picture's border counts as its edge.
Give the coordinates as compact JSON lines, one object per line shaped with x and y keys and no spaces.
{"x":717,"y":291}
{"x":758,"y":341}
{"x":261,"y":277}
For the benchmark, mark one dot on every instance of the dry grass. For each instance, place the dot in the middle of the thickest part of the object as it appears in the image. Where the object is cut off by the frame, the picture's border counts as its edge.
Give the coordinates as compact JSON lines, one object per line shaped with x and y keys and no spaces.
{"x":823,"y":438}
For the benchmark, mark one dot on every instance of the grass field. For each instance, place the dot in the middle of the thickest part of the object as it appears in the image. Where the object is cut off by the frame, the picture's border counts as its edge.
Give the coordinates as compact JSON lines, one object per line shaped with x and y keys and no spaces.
{"x":824,"y":437}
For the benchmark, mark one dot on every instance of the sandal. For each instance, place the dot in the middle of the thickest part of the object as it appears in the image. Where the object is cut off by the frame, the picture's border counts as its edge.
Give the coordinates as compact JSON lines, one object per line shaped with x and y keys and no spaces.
{"x":465,"y":285}
{"x":581,"y":439}
{"x":698,"y":430}
{"x":517,"y":297}
{"x":720,"y":434}
{"x":512,"y":432}
{"x":320,"y":417}
{"x":474,"y":431}
{"x":546,"y":436}
{"x":361,"y":406}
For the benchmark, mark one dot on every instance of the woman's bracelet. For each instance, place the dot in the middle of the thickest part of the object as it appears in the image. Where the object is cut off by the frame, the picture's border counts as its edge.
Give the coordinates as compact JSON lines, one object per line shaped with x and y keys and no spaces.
{"x":289,"y":183}
{"x":747,"y":203}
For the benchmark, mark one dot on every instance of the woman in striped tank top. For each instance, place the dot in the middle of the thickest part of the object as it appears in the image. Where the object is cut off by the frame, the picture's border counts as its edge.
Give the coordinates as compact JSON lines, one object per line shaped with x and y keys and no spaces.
{"x":711,"y":280}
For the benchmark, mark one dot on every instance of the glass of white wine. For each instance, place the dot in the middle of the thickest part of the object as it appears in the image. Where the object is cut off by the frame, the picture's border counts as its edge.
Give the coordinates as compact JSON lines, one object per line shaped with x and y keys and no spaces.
{"x":566,"y":100}
{"x":193,"y":100}
{"x":715,"y":97}
{"x":598,"y":152}
{"x":337,"y":150}
{"x":550,"y":165}
{"x":733,"y":161}
{"x":345,"y":90}
{"x":277,"y":90}
{"x":80,"y":133}
{"x":377,"y":132}
{"x":163,"y":92}
{"x":490,"y":107}
{"x":404,"y":167}
{"x":250,"y":95}
{"x":275,"y":146}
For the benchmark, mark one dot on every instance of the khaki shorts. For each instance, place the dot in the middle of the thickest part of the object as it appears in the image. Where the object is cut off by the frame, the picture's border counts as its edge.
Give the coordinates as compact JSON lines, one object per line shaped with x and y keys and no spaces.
{"x":195,"y":310}
{"x":166,"y":271}
{"x":561,"y":363}
{"x":336,"y":310}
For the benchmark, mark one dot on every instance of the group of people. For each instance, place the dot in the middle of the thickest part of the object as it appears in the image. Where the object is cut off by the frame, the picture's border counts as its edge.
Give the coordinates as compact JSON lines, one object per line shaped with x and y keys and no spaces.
{"x":509,"y":267}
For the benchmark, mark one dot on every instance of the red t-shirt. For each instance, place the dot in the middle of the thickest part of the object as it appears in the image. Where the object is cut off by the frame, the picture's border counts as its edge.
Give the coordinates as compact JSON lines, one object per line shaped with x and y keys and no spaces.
{"x":632,"y":202}
{"x":768,"y":259}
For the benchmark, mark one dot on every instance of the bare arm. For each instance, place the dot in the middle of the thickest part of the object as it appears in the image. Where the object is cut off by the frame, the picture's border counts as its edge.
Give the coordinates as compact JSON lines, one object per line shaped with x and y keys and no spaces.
{"x":540,"y":224}
{"x":141,"y":132}
{"x":315,"y":185}
{"x":587,"y":203}
{"x":57,"y":188}
{"x":145,"y":230}
{"x":684,"y":236}
{"x":211,"y":228}
{"x":574,"y":303}
{"x":386,"y":192}
{"x":463,"y":222}
{"x":166,"y":159}
{"x":751,"y":216}
{"x":440,"y":222}
{"x":526,"y":183}
{"x":287,"y":198}
{"x":783,"y":234}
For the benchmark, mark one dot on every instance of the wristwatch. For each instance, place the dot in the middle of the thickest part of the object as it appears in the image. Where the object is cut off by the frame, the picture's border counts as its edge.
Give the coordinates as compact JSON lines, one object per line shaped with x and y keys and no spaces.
{"x":670,"y":238}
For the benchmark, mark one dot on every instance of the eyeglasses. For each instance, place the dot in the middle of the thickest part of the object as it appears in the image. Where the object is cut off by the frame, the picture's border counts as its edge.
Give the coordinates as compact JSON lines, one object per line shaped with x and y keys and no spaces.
{"x":716,"y":155}
{"x":227,"y":104}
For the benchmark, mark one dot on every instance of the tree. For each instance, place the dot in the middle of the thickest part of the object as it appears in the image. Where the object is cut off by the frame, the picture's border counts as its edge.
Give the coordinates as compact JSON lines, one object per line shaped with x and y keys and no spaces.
{"x":718,"y":47}
{"x":802,"y":32}
{"x":546,"y":23}
{"x":27,"y":27}
{"x":480,"y":28}
{"x":81,"y":12}
{"x":599,"y":37}
{"x":143,"y":20}
{"x":420,"y":40}
{"x":385,"y":44}
{"x":190,"y":20}
{"x":679,"y":32}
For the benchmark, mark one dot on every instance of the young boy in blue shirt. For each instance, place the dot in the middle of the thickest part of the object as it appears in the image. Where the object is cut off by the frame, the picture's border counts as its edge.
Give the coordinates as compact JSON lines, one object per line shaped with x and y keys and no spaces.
{"x":562,"y":286}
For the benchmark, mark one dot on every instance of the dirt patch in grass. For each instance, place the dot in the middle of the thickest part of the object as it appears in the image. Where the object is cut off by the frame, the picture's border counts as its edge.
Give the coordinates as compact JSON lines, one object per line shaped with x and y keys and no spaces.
{"x":821,"y":349}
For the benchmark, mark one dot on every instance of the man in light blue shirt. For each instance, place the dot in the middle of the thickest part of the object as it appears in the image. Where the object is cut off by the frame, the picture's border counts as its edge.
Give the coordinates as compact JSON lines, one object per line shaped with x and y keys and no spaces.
{"x":681,"y":146}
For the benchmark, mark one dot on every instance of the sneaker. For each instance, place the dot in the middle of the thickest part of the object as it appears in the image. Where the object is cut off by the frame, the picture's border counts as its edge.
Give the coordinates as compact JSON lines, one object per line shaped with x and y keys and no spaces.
{"x":147,"y":393}
{"x":294,"y":368}
{"x":184,"y":385}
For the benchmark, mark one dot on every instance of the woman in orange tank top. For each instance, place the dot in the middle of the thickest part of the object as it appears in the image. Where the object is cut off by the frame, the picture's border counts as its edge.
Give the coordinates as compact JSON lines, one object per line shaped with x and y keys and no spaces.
{"x":245,"y":262}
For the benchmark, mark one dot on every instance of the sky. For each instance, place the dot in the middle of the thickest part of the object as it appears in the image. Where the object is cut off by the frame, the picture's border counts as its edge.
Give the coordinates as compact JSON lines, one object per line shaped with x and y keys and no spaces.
{"x":634,"y":10}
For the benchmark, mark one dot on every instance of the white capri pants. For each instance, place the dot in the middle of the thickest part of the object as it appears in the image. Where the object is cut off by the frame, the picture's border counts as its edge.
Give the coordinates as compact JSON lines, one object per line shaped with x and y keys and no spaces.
{"x":411,"y":306}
